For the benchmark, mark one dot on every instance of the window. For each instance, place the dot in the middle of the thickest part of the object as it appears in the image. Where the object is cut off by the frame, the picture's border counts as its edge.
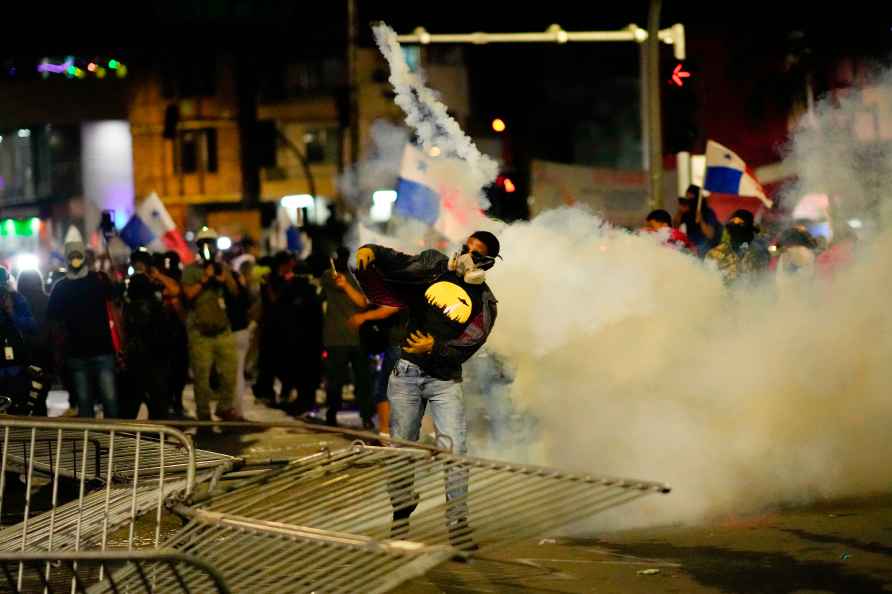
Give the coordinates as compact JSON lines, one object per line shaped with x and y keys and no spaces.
{"x":16,"y":166}
{"x":197,"y":151}
{"x":321,"y":145}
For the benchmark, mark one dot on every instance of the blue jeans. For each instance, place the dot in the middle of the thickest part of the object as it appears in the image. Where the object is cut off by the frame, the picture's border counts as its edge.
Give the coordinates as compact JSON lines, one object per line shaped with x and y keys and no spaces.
{"x":92,"y":375}
{"x":410,"y":390}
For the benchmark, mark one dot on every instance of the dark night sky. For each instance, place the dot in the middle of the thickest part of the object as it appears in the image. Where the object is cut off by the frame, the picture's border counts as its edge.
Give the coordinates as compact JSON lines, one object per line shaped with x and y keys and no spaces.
{"x":578,"y":86}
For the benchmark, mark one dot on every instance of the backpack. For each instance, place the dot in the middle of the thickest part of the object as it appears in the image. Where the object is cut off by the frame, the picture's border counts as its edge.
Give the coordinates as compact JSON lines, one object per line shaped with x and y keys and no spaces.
{"x":209,"y":313}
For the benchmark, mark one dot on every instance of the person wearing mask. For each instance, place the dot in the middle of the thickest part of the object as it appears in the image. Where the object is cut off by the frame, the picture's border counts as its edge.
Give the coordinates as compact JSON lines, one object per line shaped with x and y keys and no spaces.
{"x":701,"y":225}
{"x":79,"y":318}
{"x":147,"y":346}
{"x":660,"y":222}
{"x":742,"y":255}
{"x":211,"y":342}
{"x":451,"y":313}
{"x":342,"y":342}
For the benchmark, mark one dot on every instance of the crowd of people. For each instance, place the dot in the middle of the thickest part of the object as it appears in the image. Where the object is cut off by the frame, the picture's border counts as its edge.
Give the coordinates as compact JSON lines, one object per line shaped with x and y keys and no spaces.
{"x":116,"y":341}
{"x":398,"y":330}
{"x":742,"y":252}
{"x":119,"y":340}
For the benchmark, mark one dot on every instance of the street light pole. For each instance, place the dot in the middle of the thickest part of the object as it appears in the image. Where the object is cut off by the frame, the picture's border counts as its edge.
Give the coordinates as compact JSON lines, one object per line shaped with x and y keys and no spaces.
{"x":651,"y":125}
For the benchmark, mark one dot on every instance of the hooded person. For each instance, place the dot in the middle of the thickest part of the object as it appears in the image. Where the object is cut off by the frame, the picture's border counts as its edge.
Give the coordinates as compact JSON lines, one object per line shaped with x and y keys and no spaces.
{"x":742,"y":254}
{"x":78,"y":314}
{"x":75,"y":255}
{"x":451,"y":312}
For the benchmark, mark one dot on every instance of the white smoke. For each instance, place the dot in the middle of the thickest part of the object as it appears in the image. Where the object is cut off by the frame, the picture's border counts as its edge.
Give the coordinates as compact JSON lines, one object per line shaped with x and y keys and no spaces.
{"x":634,"y":360}
{"x":615,"y":355}
{"x":379,"y":170}
{"x":430,"y":118}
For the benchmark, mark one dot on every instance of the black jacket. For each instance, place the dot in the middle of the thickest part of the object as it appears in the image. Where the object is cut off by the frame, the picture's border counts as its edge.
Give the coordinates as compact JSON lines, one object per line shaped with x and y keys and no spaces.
{"x":458,"y":315}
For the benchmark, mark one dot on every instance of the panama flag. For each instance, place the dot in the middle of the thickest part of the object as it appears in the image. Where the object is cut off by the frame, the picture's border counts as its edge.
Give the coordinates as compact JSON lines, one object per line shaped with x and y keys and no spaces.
{"x":434,"y":190}
{"x":726,"y":173}
{"x":151,"y":224}
{"x":415,"y":196}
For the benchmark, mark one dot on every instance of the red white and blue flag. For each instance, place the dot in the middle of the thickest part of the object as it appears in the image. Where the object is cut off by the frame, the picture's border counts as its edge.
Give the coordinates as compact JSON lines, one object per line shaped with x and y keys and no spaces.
{"x":152,"y":226}
{"x":726,"y":173}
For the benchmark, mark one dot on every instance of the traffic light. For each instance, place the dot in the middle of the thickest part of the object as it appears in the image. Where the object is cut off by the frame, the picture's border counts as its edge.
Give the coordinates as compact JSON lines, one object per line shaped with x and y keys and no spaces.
{"x":680,"y":118}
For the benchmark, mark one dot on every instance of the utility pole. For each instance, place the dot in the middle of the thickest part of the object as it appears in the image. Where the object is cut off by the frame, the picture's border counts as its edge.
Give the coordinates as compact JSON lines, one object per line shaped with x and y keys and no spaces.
{"x":352,"y":82}
{"x":654,"y":119}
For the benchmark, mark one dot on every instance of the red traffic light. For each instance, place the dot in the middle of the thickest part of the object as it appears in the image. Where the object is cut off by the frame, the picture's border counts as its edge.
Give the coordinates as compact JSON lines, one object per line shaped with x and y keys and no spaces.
{"x":678,"y":75}
{"x":506,"y":184}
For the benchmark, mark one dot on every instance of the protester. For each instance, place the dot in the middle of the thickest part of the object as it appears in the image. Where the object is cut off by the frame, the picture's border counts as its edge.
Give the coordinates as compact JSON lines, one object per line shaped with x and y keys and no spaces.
{"x":30,"y":286}
{"x":452,"y":312}
{"x":147,"y":346}
{"x":263,"y":387}
{"x":211,"y":342}
{"x":345,"y":353}
{"x":294,"y":324}
{"x":660,"y":222}
{"x":169,"y":268}
{"x":79,"y":315}
{"x":742,"y":255}
{"x":16,"y":323}
{"x":238,"y":308}
{"x":701,"y":224}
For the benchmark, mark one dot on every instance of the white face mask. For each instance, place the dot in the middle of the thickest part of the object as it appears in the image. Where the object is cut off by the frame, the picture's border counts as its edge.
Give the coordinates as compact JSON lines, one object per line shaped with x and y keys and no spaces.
{"x":465,"y":267}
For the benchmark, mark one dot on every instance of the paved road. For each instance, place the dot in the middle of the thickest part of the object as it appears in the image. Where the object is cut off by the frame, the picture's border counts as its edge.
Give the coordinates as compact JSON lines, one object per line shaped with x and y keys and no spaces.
{"x":843,"y":547}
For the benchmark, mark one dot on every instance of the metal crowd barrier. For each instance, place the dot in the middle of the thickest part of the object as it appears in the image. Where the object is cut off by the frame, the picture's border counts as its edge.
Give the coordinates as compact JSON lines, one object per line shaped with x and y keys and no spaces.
{"x":357,"y":489}
{"x":256,"y":556}
{"x":321,"y":523}
{"x":155,"y":571}
{"x":68,"y":485}
{"x":324,"y":522}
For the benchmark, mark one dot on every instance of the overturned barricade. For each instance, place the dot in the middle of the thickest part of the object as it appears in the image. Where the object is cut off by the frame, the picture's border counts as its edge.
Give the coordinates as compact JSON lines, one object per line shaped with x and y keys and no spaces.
{"x":68,"y":485}
{"x":151,"y":568}
{"x":325,"y":522}
{"x":360,"y":518}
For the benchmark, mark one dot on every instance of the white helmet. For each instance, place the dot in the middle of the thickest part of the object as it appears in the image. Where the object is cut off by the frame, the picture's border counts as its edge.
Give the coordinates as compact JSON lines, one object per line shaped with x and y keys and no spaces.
{"x":206,"y":234}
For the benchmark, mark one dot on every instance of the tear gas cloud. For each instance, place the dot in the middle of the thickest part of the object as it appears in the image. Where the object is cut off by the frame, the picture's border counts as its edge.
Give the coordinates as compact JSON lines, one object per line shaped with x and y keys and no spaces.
{"x":627,"y":358}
